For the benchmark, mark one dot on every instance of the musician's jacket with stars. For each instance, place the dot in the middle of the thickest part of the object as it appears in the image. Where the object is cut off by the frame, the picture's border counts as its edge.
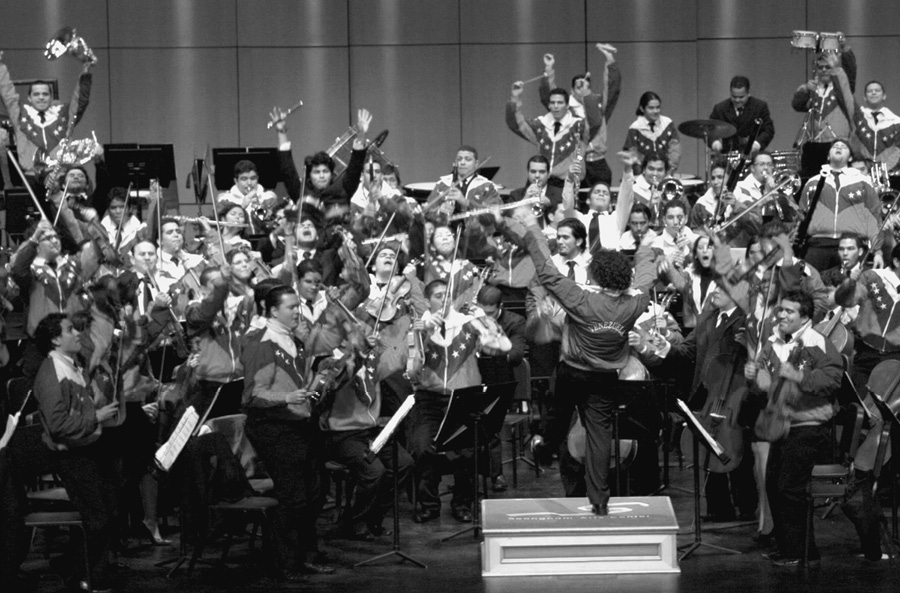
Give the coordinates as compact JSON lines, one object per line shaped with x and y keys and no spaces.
{"x":274,"y":362}
{"x":829,"y":117}
{"x":854,"y":208}
{"x":66,"y":404}
{"x":450,"y":361}
{"x":661,"y":141}
{"x":220,"y":320}
{"x":557,"y":147}
{"x":49,"y":286}
{"x":876,"y":293}
{"x":809,"y":402}
{"x":32,"y":134}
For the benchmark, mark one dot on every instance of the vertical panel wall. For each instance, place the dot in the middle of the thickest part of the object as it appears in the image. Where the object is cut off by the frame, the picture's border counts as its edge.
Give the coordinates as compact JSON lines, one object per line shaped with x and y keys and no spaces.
{"x":436,"y":73}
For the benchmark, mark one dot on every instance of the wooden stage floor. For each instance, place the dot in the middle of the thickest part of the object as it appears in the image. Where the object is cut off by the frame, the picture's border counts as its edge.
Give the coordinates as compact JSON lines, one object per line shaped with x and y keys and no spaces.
{"x":454,"y":567}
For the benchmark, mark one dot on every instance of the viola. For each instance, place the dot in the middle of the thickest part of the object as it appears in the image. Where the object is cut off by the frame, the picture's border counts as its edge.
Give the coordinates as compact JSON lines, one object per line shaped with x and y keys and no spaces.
{"x":773,"y":423}
{"x":385,"y":307}
{"x":835,"y":331}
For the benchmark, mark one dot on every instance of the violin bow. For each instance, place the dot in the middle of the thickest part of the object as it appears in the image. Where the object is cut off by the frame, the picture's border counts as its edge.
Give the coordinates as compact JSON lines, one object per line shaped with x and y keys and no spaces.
{"x":380,"y":239}
{"x":212,"y":199}
{"x":387,"y":290}
{"x":448,"y":296}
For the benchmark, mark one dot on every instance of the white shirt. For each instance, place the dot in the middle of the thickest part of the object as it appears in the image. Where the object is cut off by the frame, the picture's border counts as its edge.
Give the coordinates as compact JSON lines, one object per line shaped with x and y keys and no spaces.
{"x":628,"y":243}
{"x":582,"y":261}
{"x":666,"y":243}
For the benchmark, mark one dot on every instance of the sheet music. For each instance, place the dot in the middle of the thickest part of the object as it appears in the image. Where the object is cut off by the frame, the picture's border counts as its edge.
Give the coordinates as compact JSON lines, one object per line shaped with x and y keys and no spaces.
{"x":169,"y":451}
{"x":11,"y":422}
{"x":392,"y":424}
{"x":713,"y":443}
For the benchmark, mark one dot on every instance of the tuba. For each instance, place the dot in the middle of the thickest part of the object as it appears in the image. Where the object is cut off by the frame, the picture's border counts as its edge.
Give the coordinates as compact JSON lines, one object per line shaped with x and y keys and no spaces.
{"x":67,"y":41}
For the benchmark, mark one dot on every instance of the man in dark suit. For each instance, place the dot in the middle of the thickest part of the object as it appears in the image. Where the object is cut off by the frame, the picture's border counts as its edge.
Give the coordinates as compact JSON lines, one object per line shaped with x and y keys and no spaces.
{"x":716,"y":343}
{"x":741,"y":110}
{"x":538,"y":168}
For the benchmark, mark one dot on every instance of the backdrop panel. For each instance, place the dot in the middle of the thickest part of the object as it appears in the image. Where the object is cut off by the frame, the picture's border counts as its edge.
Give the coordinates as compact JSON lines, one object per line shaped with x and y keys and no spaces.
{"x":180,"y":96}
{"x":172,"y":23}
{"x":31,"y":24}
{"x":283,"y":76}
{"x":521,"y":21}
{"x":398,"y":22}
{"x":610,"y":21}
{"x":289,"y":23}
{"x":873,"y":17}
{"x":414,"y":92}
{"x":729,"y":19}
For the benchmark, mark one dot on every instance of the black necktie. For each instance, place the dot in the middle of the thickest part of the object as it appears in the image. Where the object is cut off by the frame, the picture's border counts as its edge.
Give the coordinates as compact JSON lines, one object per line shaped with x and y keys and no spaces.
{"x":722,"y":317}
{"x":788,"y":338}
{"x":556,"y":127}
{"x":175,"y":260}
{"x":594,"y":230}
{"x":148,"y":296}
{"x":652,"y":126}
{"x":737,"y":110}
{"x":875,"y":116}
{"x":837,"y":181}
{"x":43,"y":116}
{"x":571,"y":274}
{"x":306,"y":255}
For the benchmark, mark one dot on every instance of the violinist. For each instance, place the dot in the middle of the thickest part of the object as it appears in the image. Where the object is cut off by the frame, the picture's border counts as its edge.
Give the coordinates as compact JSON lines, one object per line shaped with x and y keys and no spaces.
{"x":117,"y":218}
{"x":445,"y":261}
{"x":232,"y":235}
{"x":877,"y":327}
{"x":801,"y":372}
{"x":451,"y":343}
{"x":73,"y":432}
{"x":219,"y":320}
{"x":173,"y":261}
{"x":249,"y":195}
{"x":372,"y":189}
{"x":271,"y":248}
{"x":310,"y":291}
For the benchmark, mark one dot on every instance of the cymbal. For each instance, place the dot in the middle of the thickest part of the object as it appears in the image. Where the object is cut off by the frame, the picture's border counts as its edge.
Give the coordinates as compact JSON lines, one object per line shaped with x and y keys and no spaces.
{"x":703,"y":129}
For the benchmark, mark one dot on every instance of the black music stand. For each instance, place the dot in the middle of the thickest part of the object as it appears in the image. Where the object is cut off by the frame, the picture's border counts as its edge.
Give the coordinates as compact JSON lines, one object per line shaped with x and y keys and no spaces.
{"x":701,"y":435}
{"x":473,"y":414}
{"x":395,"y":548}
{"x":138,"y":164}
{"x":20,"y":210}
{"x":892,"y":441}
{"x":628,"y":394}
{"x":265,"y":159}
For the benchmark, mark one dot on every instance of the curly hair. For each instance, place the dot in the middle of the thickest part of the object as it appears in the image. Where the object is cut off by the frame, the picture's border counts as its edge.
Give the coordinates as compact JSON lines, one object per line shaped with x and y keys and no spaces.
{"x":610,"y":269}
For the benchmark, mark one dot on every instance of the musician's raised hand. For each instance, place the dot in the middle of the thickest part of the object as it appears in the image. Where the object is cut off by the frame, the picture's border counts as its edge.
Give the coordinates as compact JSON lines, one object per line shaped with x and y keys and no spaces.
{"x":162,"y":300}
{"x":628,"y":158}
{"x":608,"y":51}
{"x":549,"y":62}
{"x":278,"y":117}
{"x":151,"y":410}
{"x":517,"y":88}
{"x":634,"y":340}
{"x":363,"y":120}
{"x":877,"y":263}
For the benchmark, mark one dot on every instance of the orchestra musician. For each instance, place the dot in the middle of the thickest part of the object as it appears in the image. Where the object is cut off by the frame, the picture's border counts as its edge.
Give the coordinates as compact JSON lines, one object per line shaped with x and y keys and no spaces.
{"x":249,"y":195}
{"x":653,"y":133}
{"x":741,"y":110}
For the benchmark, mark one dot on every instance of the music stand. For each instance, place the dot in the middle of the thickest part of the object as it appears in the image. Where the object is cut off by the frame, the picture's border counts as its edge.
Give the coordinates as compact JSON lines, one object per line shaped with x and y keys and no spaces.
{"x":265,"y":159}
{"x":138,"y":164}
{"x":19,"y":208}
{"x":701,"y":435}
{"x":472,"y":414}
{"x":627,"y":394}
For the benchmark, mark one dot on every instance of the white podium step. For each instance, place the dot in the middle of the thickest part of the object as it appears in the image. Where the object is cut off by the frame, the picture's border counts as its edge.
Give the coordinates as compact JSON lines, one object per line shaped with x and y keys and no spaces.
{"x":560,"y":536}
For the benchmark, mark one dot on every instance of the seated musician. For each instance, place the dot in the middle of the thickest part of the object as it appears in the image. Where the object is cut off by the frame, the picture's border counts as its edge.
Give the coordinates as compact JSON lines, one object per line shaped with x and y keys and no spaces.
{"x":704,"y":210}
{"x":811,"y":369}
{"x":319,"y":186}
{"x":440,"y":262}
{"x":852,"y":251}
{"x":174,"y":262}
{"x":249,"y":195}
{"x":121,"y":234}
{"x":646,"y":185}
{"x":451,"y":344}
{"x":639,"y":231}
{"x":538,"y":169}
{"x":465,"y":190}
{"x":279,"y":425}
{"x":604,"y":225}
{"x":230,"y":234}
{"x":73,"y":432}
{"x":310,"y":290}
{"x":694,"y":279}
{"x":848,"y":203}
{"x":372,"y":189}
{"x":572,"y":258}
{"x":675,"y":242}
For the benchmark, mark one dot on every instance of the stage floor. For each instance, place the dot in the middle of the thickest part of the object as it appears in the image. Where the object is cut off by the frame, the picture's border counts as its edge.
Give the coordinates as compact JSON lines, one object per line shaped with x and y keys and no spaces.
{"x":455,"y":566}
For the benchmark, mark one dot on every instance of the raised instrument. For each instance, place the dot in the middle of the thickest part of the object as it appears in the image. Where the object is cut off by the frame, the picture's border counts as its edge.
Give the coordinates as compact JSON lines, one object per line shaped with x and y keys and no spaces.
{"x":671,"y":188}
{"x":388,"y":239}
{"x":783,"y":180}
{"x":490,"y":209}
{"x":707,"y":129}
{"x":286,"y":114}
{"x":200,"y":220}
{"x":67,"y":41}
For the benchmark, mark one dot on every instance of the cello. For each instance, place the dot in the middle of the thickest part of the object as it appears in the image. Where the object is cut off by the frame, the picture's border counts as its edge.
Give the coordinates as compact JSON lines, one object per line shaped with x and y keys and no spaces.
{"x":774,"y":423}
{"x":727,"y":390}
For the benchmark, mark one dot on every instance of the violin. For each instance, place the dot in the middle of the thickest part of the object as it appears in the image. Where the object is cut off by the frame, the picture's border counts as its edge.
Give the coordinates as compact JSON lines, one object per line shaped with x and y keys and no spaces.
{"x":883,"y":384}
{"x":773,"y":423}
{"x":385,"y":307}
{"x":175,"y":331}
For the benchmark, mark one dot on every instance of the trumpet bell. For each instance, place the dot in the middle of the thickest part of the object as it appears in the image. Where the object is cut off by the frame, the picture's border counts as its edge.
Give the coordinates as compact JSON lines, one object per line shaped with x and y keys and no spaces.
{"x":888,"y":201}
{"x":788,"y":178}
{"x":671,"y":188}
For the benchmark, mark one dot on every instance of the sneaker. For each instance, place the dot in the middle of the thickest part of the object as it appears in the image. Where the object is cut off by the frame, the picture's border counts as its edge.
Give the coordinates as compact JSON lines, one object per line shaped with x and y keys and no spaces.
{"x":499,"y":484}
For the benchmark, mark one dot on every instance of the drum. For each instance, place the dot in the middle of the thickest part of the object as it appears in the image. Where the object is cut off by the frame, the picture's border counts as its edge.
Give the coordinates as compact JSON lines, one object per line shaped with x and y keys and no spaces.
{"x":804,"y":39}
{"x":829,"y":42}
{"x":786,"y":159}
{"x":420,"y":191}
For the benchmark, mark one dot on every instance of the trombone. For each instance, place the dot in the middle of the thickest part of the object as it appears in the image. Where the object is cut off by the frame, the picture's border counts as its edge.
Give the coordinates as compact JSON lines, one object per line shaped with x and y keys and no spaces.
{"x":783,"y":178}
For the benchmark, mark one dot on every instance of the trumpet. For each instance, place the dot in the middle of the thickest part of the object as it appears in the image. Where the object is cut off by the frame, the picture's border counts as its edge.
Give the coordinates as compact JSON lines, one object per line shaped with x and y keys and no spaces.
{"x":479,"y":211}
{"x":67,"y":41}
{"x":783,"y":179}
{"x":200,"y":220}
{"x":671,"y":188}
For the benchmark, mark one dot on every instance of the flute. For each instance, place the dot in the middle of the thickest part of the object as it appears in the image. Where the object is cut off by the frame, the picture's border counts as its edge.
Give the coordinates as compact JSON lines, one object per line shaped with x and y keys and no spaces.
{"x":510,"y":206}
{"x":374,"y":240}
{"x":199,"y":219}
